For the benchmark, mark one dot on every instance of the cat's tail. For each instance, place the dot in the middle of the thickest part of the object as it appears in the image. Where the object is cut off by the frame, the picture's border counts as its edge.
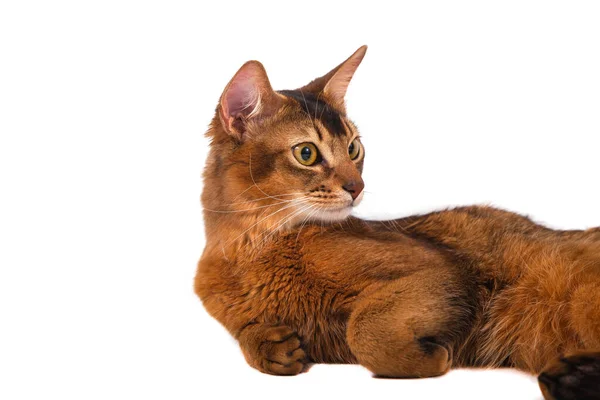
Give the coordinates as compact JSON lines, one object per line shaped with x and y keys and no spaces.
{"x":575,"y":377}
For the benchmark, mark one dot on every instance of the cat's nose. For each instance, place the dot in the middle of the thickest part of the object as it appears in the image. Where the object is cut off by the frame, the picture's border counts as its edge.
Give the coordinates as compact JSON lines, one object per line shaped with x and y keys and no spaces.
{"x":354,"y":188}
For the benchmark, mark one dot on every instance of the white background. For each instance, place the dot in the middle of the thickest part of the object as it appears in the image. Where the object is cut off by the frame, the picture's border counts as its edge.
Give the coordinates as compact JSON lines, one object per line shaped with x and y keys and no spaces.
{"x":103,"y":106}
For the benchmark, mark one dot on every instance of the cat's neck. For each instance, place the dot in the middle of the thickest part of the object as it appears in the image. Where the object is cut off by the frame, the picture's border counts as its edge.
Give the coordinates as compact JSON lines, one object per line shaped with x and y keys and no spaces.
{"x":227,"y":232}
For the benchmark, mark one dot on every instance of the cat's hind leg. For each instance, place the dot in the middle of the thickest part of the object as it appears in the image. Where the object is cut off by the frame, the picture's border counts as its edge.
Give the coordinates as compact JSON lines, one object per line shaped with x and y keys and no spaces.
{"x":403,"y":328}
{"x":585,"y":313}
{"x":574,"y":377}
{"x":577,"y":375}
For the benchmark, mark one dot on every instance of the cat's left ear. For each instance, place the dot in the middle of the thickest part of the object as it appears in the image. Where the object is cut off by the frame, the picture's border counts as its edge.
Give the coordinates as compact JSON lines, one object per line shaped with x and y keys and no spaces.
{"x":335,"y":83}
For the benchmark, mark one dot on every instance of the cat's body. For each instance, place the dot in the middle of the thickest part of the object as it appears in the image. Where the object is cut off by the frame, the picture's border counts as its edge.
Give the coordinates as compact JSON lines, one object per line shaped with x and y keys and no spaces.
{"x":473,"y":286}
{"x":499,"y":286}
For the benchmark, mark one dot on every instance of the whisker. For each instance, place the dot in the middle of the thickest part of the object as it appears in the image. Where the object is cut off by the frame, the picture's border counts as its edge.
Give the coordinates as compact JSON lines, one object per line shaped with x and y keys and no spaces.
{"x":306,"y":112}
{"x":246,"y":210}
{"x":258,"y":222}
{"x":306,"y":219}
{"x":285,"y":220}
{"x":317,"y":105}
{"x":322,"y":111}
{"x":265,"y":198}
{"x":252,"y":177}
{"x":236,"y":197}
{"x":254,"y":208}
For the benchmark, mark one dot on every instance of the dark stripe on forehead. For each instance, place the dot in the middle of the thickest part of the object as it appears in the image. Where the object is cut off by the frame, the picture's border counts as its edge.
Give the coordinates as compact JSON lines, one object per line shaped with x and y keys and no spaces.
{"x":348,"y":129}
{"x":316,"y":108}
{"x":319,"y":133}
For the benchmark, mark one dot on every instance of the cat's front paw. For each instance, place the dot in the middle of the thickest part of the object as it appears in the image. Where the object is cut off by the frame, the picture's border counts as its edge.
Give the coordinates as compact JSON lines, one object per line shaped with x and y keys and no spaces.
{"x":575,"y":377}
{"x":275,"y":350}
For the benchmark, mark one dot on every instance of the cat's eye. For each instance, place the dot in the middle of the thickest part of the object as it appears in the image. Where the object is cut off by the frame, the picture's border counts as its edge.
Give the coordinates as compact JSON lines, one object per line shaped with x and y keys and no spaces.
{"x":305,"y":153}
{"x":354,"y":149}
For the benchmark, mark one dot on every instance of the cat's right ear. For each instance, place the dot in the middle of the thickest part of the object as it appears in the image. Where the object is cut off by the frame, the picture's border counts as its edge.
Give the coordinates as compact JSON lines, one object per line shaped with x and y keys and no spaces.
{"x":248,"y":96}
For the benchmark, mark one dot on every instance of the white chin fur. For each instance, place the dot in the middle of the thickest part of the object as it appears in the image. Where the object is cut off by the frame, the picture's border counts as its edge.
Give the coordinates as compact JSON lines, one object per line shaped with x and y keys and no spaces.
{"x":332,"y":215}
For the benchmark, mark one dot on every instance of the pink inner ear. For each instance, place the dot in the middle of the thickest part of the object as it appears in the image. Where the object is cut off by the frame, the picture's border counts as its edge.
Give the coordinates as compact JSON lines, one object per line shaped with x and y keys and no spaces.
{"x":338,"y":84}
{"x":242,"y":97}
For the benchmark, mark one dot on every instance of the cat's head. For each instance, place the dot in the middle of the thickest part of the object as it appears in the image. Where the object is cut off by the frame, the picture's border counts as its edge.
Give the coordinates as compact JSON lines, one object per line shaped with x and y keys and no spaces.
{"x":292,"y":153}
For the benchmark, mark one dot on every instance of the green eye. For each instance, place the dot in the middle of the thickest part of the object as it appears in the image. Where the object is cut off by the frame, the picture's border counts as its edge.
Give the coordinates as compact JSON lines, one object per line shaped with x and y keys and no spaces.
{"x":354,"y":149}
{"x":305,"y":153}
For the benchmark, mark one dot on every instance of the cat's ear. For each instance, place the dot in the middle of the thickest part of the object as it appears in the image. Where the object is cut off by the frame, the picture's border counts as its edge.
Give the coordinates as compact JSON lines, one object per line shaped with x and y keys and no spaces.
{"x":335,"y":83}
{"x":246,"y":97}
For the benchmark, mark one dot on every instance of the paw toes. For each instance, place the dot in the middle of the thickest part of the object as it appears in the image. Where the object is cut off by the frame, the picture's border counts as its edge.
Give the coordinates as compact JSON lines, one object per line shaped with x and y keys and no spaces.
{"x":297,"y":355}
{"x":281,"y":352}
{"x":285,"y":357}
{"x":275,"y":368}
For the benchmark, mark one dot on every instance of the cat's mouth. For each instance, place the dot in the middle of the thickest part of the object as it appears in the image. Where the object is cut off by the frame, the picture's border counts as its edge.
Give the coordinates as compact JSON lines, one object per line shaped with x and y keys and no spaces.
{"x":336,"y":209}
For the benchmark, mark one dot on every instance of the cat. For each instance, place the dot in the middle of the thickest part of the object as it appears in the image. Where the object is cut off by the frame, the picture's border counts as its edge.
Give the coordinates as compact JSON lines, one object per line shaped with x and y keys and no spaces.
{"x":297,"y":280}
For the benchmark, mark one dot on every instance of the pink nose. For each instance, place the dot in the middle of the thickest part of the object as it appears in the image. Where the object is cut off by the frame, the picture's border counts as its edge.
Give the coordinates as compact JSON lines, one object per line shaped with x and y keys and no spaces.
{"x":354,"y":188}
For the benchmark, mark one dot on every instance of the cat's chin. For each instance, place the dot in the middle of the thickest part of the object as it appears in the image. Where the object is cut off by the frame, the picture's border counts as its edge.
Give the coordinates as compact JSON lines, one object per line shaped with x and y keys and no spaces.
{"x":333,"y":214}
{"x":336,"y":214}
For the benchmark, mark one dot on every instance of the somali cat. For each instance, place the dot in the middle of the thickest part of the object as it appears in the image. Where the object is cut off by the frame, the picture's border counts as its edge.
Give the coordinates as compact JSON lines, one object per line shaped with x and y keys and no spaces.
{"x":297,"y":280}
